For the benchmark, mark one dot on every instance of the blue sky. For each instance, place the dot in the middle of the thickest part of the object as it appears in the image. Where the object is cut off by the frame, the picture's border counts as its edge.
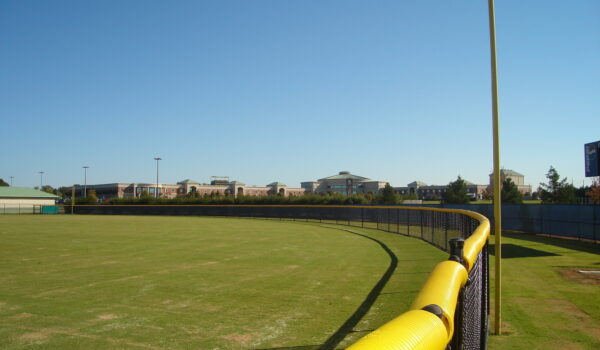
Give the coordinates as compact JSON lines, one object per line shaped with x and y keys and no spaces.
{"x":293,"y":91}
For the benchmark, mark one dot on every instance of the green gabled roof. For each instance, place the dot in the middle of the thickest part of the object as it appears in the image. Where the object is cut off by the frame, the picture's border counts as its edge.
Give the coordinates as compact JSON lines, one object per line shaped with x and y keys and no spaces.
{"x":417,"y":183}
{"x":24,"y":192}
{"x":509,"y":172}
{"x":343,"y":175}
{"x":277,"y":184}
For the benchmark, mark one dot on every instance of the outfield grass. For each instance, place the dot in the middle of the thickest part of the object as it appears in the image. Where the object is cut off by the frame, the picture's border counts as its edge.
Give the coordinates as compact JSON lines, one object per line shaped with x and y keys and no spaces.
{"x":547,"y":303}
{"x":98,"y":282}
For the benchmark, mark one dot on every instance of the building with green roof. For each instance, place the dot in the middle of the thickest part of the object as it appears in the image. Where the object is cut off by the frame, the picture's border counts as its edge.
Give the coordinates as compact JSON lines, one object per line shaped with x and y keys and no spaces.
{"x":344,"y":182}
{"x":23,"y":199}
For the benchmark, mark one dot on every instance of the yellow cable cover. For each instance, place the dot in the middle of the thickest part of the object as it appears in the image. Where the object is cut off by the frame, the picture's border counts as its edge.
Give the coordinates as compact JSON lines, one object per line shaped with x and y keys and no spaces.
{"x":413,"y":330}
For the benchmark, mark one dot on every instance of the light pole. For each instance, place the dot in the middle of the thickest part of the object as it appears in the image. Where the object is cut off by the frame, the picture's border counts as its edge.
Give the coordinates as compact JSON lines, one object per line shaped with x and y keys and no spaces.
{"x":156,"y":190}
{"x":85,"y":168}
{"x":11,"y":181}
{"x":41,"y":180}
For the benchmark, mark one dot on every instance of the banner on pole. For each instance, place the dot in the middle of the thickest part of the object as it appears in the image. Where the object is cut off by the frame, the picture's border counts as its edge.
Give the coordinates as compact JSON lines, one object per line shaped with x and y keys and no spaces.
{"x":592,"y":161}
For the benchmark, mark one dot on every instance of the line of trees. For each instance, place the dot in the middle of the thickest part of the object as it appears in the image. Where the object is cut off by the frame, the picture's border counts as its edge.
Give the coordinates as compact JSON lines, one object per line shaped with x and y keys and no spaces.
{"x":556,"y":191}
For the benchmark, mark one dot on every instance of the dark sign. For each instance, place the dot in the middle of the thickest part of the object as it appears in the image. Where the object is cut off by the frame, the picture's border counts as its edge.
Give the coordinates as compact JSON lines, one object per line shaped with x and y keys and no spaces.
{"x":592,"y":161}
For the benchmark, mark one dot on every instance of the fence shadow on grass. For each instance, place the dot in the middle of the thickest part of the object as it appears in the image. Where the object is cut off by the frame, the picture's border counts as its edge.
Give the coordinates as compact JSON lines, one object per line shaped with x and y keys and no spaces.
{"x":574,"y":244}
{"x":517,"y":251}
{"x":364,"y":307}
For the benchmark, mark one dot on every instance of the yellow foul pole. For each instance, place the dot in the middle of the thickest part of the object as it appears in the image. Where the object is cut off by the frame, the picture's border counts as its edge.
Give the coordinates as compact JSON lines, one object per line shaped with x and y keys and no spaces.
{"x":496,"y":175}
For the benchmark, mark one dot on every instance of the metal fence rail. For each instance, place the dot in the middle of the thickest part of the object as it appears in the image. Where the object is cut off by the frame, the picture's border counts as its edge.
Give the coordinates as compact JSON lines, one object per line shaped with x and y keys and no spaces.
{"x":447,"y":310}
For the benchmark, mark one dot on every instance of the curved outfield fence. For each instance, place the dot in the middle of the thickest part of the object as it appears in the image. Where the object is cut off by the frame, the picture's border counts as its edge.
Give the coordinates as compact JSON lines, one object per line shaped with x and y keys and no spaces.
{"x":451,"y":308}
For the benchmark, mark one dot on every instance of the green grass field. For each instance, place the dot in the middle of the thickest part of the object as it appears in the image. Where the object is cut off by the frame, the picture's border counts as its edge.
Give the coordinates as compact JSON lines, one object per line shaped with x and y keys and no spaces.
{"x":118,"y":282}
{"x":547,"y":303}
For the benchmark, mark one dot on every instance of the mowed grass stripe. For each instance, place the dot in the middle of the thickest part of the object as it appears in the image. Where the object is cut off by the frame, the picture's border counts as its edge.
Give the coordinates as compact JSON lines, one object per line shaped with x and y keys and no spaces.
{"x":71,"y":282}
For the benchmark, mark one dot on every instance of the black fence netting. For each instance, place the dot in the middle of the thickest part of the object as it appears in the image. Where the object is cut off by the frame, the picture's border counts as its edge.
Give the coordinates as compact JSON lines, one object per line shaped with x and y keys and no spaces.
{"x":562,"y":220}
{"x":436,"y":226}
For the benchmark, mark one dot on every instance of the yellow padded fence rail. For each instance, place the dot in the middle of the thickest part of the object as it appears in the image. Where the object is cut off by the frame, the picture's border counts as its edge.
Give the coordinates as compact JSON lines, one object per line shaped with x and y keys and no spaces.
{"x":418,"y":329}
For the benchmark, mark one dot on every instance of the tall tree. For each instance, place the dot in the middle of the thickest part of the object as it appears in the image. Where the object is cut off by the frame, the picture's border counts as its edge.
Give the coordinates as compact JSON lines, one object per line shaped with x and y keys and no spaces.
{"x":387,"y":195}
{"x":510,"y":192}
{"x":49,"y":189}
{"x":456,"y":192}
{"x":556,"y":190}
{"x":3,"y":183}
{"x":65,"y":191}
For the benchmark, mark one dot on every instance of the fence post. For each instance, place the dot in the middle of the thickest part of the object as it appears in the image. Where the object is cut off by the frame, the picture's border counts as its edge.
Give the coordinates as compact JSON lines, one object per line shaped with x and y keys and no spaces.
{"x":388,"y":216}
{"x":421,"y":219}
{"x":349,"y":211}
{"x":362,"y":217}
{"x":446,"y":229}
{"x":408,"y":222}
{"x":594,"y":223}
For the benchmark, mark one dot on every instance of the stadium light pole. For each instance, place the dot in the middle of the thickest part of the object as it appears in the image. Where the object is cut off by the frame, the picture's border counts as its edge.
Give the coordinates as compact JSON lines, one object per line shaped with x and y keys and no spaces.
{"x":156,"y":191}
{"x":85,"y":168}
{"x":41,"y":180}
{"x":496,"y":175}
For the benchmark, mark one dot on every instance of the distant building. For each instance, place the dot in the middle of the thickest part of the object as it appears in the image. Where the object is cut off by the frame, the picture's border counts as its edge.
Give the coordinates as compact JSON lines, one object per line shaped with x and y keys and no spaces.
{"x":436,"y":192}
{"x":22,"y":198}
{"x":345,"y":183}
{"x":517,"y":178}
{"x":185,"y":187}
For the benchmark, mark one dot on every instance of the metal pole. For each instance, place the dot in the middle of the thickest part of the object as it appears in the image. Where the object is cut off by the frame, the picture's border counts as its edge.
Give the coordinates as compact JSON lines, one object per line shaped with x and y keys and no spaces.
{"x":496,"y":175}
{"x":11,"y":181}
{"x":72,"y":199}
{"x":85,"y":168}
{"x":156,"y":191}
{"x":41,"y":180}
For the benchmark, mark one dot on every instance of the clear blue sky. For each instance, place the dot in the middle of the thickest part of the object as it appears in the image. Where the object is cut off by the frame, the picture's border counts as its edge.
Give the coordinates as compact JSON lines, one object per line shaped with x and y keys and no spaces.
{"x":293,"y":91}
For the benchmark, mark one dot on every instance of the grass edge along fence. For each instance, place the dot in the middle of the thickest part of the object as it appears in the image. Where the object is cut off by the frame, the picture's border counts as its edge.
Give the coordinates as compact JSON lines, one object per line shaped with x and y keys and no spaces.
{"x":452,"y":307}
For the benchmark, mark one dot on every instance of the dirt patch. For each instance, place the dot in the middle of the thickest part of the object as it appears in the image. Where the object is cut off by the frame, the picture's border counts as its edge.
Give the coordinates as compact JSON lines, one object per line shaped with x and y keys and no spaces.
{"x":239,"y":339}
{"x":20,"y":316}
{"x":586,"y":277}
{"x":236,"y":338}
{"x":108,"y":316}
{"x":192,"y":330}
{"x":36,"y":336}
